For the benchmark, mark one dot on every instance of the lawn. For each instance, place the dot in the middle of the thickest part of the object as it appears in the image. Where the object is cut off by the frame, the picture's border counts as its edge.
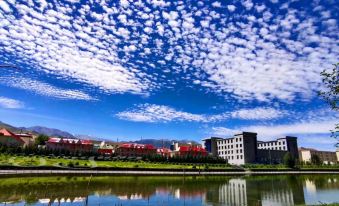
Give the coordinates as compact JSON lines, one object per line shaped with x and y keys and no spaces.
{"x":29,"y":161}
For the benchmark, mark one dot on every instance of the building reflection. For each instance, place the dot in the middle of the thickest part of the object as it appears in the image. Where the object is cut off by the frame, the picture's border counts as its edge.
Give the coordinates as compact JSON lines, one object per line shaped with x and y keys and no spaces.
{"x":261,"y":191}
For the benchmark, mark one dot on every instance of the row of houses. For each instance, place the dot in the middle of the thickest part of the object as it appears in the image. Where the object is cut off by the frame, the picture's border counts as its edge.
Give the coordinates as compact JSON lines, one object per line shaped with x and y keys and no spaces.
{"x":102,"y":147}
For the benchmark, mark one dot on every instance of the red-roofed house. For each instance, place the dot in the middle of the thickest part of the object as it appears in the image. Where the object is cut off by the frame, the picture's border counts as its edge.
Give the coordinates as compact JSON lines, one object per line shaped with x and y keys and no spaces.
{"x":192,"y":150}
{"x":135,"y":150}
{"x":72,"y":145}
{"x":188,"y":150}
{"x":10,"y":139}
{"x":165,"y":152}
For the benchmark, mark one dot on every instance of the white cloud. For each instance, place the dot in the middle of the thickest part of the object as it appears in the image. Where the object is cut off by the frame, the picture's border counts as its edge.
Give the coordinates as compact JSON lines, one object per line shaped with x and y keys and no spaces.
{"x":271,"y":132}
{"x":216,"y":4}
{"x":223,"y":131}
{"x":231,"y":8}
{"x":258,"y":114}
{"x":158,"y":113}
{"x":10,"y":103}
{"x":4,"y":6}
{"x":44,"y":89}
{"x":161,"y":113}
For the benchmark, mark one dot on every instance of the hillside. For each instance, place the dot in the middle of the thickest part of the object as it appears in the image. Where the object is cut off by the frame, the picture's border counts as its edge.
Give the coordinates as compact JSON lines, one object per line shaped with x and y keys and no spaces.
{"x":36,"y":130}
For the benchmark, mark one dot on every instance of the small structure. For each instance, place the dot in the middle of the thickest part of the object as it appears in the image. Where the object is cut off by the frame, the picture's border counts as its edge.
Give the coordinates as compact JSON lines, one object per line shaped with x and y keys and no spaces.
{"x":135,"y":150}
{"x":107,"y":148}
{"x":10,"y":139}
{"x":27,"y":138}
{"x":71,"y":145}
{"x":326,"y":157}
{"x":165,"y":152}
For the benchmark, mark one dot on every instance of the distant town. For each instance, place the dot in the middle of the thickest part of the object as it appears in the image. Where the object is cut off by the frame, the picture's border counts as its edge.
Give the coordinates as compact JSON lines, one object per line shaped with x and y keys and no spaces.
{"x":241,"y":149}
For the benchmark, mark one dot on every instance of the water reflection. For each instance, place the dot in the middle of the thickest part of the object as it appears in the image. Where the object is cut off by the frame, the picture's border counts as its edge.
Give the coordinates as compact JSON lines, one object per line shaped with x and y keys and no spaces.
{"x":211,"y":191}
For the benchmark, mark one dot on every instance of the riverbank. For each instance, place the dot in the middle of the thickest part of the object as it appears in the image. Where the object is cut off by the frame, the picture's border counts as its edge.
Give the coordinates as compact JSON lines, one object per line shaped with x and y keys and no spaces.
{"x":25,"y":172}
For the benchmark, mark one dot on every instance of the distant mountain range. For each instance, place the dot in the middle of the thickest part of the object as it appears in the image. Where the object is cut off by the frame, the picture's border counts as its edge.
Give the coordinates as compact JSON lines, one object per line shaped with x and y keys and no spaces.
{"x":59,"y":133}
{"x":37,"y":130}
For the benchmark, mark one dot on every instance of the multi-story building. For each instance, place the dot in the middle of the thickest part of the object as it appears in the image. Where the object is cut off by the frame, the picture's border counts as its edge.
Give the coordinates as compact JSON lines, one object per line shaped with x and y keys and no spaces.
{"x":244,"y":148}
{"x":325,"y":157}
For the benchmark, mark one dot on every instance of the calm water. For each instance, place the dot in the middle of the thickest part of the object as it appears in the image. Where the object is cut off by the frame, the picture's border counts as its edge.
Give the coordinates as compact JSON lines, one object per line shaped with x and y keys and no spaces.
{"x":163,"y":191}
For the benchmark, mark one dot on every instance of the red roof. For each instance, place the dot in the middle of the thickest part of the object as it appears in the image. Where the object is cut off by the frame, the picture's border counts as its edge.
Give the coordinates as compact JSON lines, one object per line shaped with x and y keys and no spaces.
{"x":191,"y":148}
{"x":137,"y":146}
{"x":25,"y":135}
{"x":8,"y":133}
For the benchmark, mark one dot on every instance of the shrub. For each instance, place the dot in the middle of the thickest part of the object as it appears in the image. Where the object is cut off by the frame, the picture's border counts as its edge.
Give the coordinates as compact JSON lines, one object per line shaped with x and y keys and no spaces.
{"x":70,"y":164}
{"x":206,"y":167}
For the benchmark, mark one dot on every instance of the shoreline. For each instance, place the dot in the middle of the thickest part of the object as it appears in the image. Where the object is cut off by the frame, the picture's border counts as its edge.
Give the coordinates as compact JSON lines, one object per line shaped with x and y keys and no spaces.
{"x":4,"y":173}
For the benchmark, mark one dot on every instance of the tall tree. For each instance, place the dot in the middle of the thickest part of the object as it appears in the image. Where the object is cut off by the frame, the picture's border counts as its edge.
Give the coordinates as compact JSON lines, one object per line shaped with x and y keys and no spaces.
{"x":289,"y":161}
{"x":330,"y":93}
{"x":41,"y":139}
{"x":315,"y":159}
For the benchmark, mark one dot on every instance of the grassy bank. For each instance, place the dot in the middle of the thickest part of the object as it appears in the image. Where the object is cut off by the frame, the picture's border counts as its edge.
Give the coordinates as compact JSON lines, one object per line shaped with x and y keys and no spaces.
{"x":40,"y":161}
{"x":17,"y":161}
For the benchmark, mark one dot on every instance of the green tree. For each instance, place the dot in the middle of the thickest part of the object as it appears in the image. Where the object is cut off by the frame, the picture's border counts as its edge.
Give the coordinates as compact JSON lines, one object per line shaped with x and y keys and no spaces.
{"x":330,"y":79}
{"x":315,"y":159}
{"x":41,"y":139}
{"x":289,"y":161}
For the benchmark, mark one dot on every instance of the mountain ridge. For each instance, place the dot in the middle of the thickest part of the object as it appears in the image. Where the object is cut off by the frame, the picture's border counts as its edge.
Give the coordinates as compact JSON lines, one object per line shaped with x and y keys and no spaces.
{"x":59,"y":133}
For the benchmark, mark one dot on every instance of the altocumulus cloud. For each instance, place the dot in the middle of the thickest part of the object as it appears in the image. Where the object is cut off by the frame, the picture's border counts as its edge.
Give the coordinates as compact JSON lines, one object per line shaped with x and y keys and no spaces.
{"x":45,"y":89}
{"x":162,"y":113}
{"x":258,"y":114}
{"x":11,"y":103}
{"x":249,"y":50}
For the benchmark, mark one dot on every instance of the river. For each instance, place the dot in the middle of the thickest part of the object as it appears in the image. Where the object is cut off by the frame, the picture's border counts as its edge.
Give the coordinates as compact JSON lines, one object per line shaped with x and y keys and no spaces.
{"x":172,"y":190}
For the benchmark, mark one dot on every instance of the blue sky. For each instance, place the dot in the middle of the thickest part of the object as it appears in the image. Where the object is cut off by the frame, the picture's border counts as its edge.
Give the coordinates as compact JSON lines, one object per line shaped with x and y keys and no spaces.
{"x":169,"y":69}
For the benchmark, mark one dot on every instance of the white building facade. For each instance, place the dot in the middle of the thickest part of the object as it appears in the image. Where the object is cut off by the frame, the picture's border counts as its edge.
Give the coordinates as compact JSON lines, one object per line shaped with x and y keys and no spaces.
{"x":244,"y":148}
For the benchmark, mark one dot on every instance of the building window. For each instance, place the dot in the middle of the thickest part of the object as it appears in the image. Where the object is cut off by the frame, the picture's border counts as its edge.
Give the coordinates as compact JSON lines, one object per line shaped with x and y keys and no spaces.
{"x":240,"y":150}
{"x":240,"y":145}
{"x":237,"y":157}
{"x":240,"y":156}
